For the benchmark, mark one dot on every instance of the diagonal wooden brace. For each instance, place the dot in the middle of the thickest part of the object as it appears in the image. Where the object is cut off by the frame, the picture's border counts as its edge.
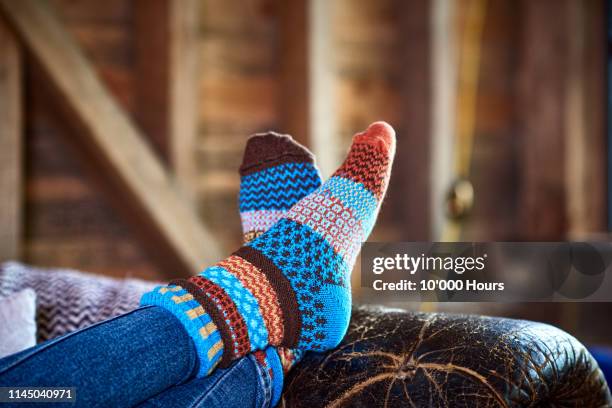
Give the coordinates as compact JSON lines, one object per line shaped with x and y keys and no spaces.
{"x":122,"y":154}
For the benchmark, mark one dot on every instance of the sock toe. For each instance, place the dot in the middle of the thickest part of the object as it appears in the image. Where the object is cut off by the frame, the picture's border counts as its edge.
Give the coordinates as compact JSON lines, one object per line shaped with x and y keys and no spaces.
{"x":264,"y":150}
{"x":370,"y":158}
{"x":379,"y":134}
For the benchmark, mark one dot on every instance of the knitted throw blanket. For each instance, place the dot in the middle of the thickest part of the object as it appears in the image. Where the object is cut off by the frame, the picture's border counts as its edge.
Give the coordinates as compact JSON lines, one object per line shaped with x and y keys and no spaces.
{"x":67,"y":300}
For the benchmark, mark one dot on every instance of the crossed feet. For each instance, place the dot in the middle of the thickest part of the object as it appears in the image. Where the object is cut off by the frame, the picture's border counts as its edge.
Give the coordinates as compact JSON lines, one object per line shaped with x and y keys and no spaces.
{"x":289,"y":285}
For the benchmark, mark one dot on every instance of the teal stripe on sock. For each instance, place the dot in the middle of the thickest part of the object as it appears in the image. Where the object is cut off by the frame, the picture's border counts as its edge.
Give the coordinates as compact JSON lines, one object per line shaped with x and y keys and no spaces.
{"x":245,"y":302}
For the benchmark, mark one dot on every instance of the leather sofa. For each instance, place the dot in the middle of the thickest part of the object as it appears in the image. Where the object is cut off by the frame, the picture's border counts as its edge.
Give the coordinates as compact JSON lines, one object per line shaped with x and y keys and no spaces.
{"x":393,"y":358}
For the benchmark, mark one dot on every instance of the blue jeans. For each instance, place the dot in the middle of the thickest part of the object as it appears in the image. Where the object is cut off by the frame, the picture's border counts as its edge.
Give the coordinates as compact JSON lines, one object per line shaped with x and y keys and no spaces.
{"x":142,"y":357}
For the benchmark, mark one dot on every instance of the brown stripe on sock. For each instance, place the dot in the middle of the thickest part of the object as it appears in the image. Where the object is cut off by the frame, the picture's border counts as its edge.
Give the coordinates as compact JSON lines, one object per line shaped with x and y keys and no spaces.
{"x":292,"y":320}
{"x":270,"y":149}
{"x":211,"y":309}
{"x":273,"y":163}
{"x":200,"y":288}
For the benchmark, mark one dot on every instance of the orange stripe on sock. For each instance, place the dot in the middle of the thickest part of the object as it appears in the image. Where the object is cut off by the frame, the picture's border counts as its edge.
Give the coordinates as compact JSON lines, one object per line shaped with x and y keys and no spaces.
{"x":368,"y":165}
{"x":257,"y":283}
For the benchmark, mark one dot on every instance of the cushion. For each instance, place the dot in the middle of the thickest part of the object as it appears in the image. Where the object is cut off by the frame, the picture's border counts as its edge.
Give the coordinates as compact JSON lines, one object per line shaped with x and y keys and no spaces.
{"x":17,"y":322}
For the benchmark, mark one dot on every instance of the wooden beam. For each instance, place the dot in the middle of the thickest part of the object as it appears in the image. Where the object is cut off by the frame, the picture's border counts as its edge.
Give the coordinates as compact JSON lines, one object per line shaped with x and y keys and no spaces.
{"x":127,"y":159}
{"x":184,"y":96}
{"x":324,"y":137}
{"x":11,"y":134}
{"x":443,"y":104}
{"x":307,"y":98}
{"x":167,"y":112}
{"x":416,"y":124}
{"x":584,"y":119}
{"x":294,"y":73}
{"x":152,"y":64}
{"x":542,"y":67}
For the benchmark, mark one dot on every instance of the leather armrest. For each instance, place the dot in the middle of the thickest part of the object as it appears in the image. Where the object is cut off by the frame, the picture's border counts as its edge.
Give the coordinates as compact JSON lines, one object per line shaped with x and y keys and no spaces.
{"x":395,"y":358}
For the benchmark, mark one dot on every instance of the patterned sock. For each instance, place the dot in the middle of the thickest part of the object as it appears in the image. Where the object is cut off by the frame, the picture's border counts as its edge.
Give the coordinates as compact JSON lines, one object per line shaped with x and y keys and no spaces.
{"x":290,"y":286}
{"x":276,"y":172}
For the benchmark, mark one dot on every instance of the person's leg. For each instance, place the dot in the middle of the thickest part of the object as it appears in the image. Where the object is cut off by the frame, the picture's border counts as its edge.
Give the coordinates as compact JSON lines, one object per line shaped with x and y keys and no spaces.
{"x":119,"y":362}
{"x":276,"y":172}
{"x":245,"y":383}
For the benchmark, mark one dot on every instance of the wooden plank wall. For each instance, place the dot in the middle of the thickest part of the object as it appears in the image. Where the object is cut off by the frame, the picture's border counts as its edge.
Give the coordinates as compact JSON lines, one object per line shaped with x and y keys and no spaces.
{"x":381,"y":72}
{"x":238,"y":96}
{"x":242,"y":79}
{"x":70,"y":222}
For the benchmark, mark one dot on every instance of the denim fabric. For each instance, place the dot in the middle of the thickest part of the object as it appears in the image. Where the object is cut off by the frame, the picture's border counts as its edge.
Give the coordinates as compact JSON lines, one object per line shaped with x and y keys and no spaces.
{"x":119,"y":362}
{"x":144,"y":356}
{"x":244,"y":384}
{"x":278,"y":376}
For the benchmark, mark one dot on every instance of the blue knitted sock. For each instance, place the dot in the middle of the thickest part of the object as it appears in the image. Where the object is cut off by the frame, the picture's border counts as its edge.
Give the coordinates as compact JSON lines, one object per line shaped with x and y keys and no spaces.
{"x":291,"y":285}
{"x":276,"y":172}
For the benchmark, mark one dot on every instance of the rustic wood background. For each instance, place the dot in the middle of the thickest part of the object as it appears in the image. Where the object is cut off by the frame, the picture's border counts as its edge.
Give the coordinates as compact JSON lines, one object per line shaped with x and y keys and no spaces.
{"x":538,"y":165}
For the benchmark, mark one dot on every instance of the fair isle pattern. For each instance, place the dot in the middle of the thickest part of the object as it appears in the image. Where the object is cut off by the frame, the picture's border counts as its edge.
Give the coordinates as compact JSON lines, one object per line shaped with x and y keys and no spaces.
{"x":229,"y":312}
{"x":329,"y":217}
{"x":257,"y":283}
{"x":358,"y":167}
{"x":309,"y":262}
{"x":68,"y":300}
{"x":266,"y":195}
{"x":278,"y":187}
{"x":305,"y":258}
{"x":245,"y":302}
{"x":355,"y":196}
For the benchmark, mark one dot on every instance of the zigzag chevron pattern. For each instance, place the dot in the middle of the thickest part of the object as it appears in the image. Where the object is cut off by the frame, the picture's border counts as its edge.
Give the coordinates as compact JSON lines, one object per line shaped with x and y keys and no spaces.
{"x":68,"y":300}
{"x":366,"y":166}
{"x":278,"y":187}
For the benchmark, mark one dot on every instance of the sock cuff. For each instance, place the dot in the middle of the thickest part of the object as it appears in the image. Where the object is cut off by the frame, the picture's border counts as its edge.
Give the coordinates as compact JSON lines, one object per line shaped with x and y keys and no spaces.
{"x":265,"y":150}
{"x":223,"y":312}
